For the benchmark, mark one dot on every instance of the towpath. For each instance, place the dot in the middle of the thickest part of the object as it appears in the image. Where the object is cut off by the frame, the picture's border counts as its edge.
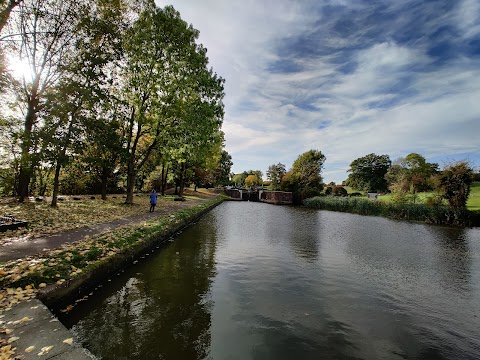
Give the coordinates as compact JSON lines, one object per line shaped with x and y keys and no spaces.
{"x":23,"y":247}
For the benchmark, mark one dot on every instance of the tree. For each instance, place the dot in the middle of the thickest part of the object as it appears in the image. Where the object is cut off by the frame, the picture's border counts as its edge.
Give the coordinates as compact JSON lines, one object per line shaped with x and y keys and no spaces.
{"x":251,"y":181}
{"x":456,"y":180}
{"x":304,"y":178}
{"x":44,"y":33}
{"x":239,"y":179}
{"x":368,"y":173}
{"x":173,"y":99}
{"x":419,"y":171}
{"x":275,"y":174}
{"x":224,"y":165}
{"x":307,"y":168}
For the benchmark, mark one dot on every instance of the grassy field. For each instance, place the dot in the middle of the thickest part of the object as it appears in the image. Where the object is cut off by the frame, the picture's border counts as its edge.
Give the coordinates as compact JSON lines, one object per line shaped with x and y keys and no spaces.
{"x":473,"y":202}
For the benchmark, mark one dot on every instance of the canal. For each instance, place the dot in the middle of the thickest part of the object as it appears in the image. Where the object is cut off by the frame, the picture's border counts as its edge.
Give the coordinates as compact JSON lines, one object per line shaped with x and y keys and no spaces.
{"x":257,"y":281}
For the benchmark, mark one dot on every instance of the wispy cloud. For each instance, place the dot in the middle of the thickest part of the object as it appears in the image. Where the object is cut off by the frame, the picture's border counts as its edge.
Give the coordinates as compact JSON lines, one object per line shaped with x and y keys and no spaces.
{"x":345,"y":77}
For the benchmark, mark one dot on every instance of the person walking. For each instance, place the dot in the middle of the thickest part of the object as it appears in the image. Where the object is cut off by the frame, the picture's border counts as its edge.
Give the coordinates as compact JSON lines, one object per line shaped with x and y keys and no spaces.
{"x":153,"y":200}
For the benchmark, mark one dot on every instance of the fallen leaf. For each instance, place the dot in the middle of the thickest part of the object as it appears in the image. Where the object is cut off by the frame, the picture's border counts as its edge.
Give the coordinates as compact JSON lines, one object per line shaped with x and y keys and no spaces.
{"x":29,"y":349}
{"x":45,"y":350}
{"x":68,"y":341}
{"x":12,"y":339}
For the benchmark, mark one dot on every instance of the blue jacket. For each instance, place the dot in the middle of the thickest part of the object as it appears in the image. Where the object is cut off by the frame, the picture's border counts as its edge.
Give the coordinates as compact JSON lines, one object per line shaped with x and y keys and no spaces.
{"x":153,"y":198}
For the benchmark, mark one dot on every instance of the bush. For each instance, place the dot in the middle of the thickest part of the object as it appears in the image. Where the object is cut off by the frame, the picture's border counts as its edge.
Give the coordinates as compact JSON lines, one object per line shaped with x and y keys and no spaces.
{"x":340,"y":191}
{"x":354,"y":194}
{"x":328,"y":190}
{"x":456,"y":180}
{"x":434,"y":200}
{"x":400,"y":197}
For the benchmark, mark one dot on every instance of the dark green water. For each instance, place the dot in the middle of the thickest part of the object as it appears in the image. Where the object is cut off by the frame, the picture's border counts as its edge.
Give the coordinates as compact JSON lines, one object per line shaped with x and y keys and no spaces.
{"x":256,"y":281}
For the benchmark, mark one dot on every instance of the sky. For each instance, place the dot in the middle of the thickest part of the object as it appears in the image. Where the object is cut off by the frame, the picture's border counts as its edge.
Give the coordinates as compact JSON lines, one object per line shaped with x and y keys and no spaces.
{"x":348,"y":78}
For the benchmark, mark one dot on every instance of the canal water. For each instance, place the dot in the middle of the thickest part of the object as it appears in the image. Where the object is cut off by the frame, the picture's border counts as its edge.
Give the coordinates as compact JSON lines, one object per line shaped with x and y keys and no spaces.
{"x":257,"y":281}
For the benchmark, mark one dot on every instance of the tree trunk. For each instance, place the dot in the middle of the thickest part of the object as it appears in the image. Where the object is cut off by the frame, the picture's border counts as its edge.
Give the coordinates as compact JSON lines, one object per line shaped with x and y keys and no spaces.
{"x":25,"y":158}
{"x":131,"y":175}
{"x":163,"y":175}
{"x":61,"y":159}
{"x":56,"y":184}
{"x":164,"y":179}
{"x":104,"y":182}
{"x":182,"y":181}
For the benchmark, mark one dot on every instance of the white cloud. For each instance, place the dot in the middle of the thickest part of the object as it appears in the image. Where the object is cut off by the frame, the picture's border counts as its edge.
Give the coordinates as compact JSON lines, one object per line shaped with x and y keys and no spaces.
{"x":268,"y":120}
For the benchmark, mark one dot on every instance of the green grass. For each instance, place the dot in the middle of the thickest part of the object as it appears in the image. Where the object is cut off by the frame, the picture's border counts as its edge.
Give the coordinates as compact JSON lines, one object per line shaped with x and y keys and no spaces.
{"x":473,"y":202}
{"x":352,"y":190}
{"x":421,"y":197}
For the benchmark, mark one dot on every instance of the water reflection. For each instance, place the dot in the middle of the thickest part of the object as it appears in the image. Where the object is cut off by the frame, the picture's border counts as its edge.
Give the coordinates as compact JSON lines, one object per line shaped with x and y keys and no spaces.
{"x":255,"y":281}
{"x":158,"y":309}
{"x":453,"y":257}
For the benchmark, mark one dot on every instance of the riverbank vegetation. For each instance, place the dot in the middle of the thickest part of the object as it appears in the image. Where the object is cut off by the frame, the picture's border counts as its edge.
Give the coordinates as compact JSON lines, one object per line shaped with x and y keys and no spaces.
{"x":416,"y":212}
{"x":115,"y":96}
{"x":419,"y":190}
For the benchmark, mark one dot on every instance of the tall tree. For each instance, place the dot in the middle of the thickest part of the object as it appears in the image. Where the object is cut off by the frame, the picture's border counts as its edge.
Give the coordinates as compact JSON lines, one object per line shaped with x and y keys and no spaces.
{"x":368,"y":172}
{"x":275,"y":174}
{"x":307,"y":169}
{"x":164,"y":68}
{"x":223,"y":170}
{"x":44,"y":31}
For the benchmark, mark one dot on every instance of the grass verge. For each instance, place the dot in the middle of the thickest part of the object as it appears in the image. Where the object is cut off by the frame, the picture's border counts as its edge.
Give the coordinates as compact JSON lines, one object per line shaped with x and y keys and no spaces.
{"x":415,"y":212}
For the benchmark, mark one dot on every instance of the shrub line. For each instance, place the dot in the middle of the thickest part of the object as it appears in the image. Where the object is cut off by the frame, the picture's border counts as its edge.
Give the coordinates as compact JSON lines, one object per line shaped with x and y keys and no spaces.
{"x":440,"y":215}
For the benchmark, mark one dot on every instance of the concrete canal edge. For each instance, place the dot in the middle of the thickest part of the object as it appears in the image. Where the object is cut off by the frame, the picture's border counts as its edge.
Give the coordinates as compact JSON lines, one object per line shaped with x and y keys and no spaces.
{"x":33,"y":323}
{"x":38,"y":334}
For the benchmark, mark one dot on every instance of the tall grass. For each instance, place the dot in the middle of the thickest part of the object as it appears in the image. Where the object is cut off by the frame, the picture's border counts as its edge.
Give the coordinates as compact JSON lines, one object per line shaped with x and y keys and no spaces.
{"x":415,"y":212}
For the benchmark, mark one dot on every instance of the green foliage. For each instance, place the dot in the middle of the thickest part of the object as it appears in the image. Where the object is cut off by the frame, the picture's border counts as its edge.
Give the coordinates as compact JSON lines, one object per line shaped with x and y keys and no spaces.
{"x":223,"y":170}
{"x":456,"y":180}
{"x":367,"y":173}
{"x":307,"y":168}
{"x":434,"y":201}
{"x":239,"y":179}
{"x":251,"y":181}
{"x":412,"y":174}
{"x":275,"y":174}
{"x":416,"y":212}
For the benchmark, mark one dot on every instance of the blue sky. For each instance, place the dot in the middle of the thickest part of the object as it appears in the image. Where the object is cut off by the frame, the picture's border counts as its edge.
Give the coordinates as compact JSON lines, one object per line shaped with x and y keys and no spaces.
{"x":345,"y":77}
